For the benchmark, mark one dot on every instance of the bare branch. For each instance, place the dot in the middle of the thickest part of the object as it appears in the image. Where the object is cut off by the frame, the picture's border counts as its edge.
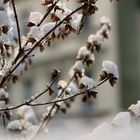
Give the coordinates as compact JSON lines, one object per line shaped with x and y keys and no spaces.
{"x":47,"y":118}
{"x":70,"y":97}
{"x":17,"y":23}
{"x":48,"y":12}
{"x":28,"y":102}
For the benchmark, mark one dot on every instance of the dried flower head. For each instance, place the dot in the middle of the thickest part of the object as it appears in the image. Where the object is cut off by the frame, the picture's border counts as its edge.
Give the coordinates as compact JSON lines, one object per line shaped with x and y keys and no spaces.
{"x":4,"y":95}
{"x":85,"y":56}
{"x":110,"y":71}
{"x":94,"y":42}
{"x":88,"y":84}
{"x":77,"y":70}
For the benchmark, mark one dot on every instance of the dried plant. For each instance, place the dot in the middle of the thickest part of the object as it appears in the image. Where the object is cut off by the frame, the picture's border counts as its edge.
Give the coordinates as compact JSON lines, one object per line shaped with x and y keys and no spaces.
{"x":16,"y":53}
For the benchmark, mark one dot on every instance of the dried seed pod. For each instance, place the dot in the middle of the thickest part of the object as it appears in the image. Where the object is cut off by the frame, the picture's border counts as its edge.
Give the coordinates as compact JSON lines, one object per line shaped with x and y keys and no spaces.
{"x":54,"y":73}
{"x":47,"y":2}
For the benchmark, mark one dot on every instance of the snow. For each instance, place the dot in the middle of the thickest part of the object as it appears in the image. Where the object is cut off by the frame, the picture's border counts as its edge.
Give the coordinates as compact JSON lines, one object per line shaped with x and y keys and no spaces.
{"x":135,"y":109}
{"x":78,"y":66}
{"x":87,"y":82}
{"x":4,"y":38}
{"x":3,"y":94}
{"x":2,"y":104}
{"x":4,"y":19}
{"x":49,"y":26}
{"x":35,"y":33}
{"x":62,"y":84}
{"x":102,"y":128}
{"x":105,"y":20}
{"x":75,"y":21}
{"x":84,"y":52}
{"x":97,"y":39}
{"x":5,"y":68}
{"x":14,"y":125}
{"x":35,"y":17}
{"x":27,"y":114}
{"x":122,"y":119}
{"x":110,"y":68}
{"x":73,"y":88}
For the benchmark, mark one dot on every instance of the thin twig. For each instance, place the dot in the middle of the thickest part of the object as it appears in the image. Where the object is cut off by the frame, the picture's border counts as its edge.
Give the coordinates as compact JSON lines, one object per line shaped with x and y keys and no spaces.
{"x":70,"y":97}
{"x":47,"y":118}
{"x":48,"y":12}
{"x":17,"y":23}
{"x":28,"y":102}
{"x":5,"y":78}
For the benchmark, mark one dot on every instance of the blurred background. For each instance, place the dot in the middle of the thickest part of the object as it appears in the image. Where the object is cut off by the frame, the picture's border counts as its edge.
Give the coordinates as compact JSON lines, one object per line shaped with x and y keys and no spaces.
{"x":122,"y":48}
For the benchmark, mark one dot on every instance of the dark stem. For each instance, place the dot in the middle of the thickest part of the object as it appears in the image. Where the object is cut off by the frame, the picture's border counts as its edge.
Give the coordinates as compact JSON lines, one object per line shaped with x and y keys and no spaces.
{"x":17,"y":23}
{"x":70,"y":97}
{"x":47,"y":118}
{"x":28,"y":102}
{"x":48,"y":12}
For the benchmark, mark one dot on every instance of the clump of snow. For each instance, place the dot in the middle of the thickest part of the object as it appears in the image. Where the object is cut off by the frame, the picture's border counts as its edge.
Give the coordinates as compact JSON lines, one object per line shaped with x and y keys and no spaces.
{"x":110,"y":68}
{"x":4,"y":38}
{"x":31,"y":131}
{"x":75,"y":21}
{"x":95,"y":39}
{"x":77,"y":67}
{"x":6,"y":67}
{"x":35,"y":17}
{"x":62,"y":84}
{"x":122,"y":119}
{"x":47,"y":27}
{"x":35,"y":33}
{"x":135,"y":109}
{"x":73,"y":88}
{"x":84,"y":52}
{"x":14,"y":126}
{"x":27,"y":114}
{"x":89,"y":83}
{"x":2,"y":104}
{"x":4,"y":19}
{"x":105,"y":20}
{"x":104,"y":127}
